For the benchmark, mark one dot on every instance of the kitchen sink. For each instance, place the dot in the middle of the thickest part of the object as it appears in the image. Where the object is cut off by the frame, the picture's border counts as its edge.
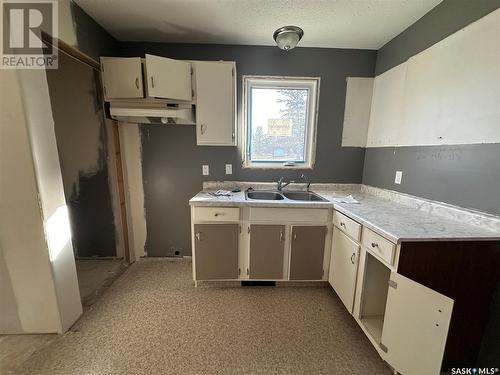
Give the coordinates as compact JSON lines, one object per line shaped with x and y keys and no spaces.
{"x":303,"y":196}
{"x":264,"y":195}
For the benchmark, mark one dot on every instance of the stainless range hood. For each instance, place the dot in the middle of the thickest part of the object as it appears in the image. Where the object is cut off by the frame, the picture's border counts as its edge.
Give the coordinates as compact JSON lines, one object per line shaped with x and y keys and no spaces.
{"x":153,"y":113}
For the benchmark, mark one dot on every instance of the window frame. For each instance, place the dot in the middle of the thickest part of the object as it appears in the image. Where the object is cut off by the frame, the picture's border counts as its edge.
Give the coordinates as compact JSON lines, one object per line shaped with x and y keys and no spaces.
{"x":263,"y":81}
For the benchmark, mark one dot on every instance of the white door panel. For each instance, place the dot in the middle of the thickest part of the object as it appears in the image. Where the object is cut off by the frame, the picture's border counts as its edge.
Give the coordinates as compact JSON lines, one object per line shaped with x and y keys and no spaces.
{"x":168,"y":78}
{"x":215,"y":103}
{"x":122,"y":77}
{"x":344,"y":267}
{"x":415,"y":327}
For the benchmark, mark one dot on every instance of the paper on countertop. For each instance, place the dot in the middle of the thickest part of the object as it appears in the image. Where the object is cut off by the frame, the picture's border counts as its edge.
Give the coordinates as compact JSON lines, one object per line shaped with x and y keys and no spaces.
{"x":222,"y":193}
{"x":348,"y":199}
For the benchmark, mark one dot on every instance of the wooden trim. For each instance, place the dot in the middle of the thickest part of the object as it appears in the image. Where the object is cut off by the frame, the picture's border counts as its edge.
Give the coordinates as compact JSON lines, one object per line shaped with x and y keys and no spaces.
{"x":71,"y":51}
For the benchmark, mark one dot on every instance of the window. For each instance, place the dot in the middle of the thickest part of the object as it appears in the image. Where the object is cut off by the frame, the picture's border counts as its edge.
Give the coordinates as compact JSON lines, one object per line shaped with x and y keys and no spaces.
{"x":279,"y":121}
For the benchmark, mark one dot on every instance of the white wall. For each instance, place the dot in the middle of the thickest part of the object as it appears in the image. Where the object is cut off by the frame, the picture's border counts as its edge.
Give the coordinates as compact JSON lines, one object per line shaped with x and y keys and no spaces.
{"x":31,"y":304}
{"x":40,"y":123}
{"x":130,"y":141}
{"x":447,"y":94}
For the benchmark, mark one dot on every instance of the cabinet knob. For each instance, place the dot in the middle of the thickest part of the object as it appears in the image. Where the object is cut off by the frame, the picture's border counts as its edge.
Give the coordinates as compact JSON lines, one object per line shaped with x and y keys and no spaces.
{"x":352,"y":257}
{"x":295,"y":236}
{"x":137,"y":83}
{"x":198,"y":236}
{"x":281,"y":236}
{"x":219,"y":214}
{"x":202,"y":128}
{"x":374,"y":244}
{"x":342,"y":224}
{"x":152,"y":82}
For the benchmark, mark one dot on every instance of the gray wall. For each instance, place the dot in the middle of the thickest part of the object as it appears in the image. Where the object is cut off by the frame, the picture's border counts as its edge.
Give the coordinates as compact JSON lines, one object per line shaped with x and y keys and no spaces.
{"x":172,"y":161}
{"x":74,"y":90}
{"x":91,"y":38}
{"x":465,"y":175}
{"x":76,"y":101}
{"x":443,"y":20}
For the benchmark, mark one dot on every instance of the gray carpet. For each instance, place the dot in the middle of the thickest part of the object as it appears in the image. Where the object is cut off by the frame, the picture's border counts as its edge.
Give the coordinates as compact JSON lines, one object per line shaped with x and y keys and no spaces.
{"x":153,"y":321}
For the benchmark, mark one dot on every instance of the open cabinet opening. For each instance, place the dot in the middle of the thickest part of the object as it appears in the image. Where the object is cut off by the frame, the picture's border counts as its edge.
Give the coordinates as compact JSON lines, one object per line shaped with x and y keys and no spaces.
{"x":374,"y":298}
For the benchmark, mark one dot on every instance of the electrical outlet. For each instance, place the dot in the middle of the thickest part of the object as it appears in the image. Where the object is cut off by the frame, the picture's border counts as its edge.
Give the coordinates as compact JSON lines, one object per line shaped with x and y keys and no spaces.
{"x":229,"y":169}
{"x":399,"y":176}
{"x":205,"y":170}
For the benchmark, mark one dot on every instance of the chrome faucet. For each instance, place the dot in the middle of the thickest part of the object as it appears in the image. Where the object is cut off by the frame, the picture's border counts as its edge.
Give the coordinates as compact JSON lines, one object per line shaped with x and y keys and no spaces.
{"x":306,"y":180}
{"x":282,"y":183}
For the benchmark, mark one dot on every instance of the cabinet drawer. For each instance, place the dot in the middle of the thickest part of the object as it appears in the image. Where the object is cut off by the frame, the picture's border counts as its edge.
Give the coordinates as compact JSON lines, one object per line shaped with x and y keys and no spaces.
{"x":216,"y":214}
{"x":347,"y":225}
{"x":378,"y":245}
{"x":302,"y":215}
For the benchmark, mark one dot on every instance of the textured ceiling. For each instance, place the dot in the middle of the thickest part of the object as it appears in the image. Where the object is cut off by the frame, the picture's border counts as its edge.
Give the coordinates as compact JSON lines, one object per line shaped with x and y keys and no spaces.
{"x":327,"y":23}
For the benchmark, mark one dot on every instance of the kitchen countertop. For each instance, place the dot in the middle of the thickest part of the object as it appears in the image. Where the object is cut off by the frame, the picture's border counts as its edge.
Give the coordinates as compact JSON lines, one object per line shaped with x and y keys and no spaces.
{"x":393,"y":220}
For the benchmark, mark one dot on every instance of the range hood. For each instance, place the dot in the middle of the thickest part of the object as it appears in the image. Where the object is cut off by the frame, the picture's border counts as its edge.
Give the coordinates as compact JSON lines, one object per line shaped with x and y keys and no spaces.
{"x":153,"y":113}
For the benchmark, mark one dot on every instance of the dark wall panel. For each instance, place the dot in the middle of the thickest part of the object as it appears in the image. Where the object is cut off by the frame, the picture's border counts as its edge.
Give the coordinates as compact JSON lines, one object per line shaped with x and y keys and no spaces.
{"x":172,"y":161}
{"x":76,"y":102}
{"x":445,"y":19}
{"x":464,"y":175}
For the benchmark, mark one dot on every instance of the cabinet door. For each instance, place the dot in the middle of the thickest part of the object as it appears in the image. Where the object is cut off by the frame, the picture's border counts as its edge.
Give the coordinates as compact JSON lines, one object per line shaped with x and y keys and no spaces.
{"x":267,"y":247}
{"x":344,"y":267}
{"x":216,"y":251}
{"x":122,"y":77}
{"x":168,"y":78}
{"x":415,"y":327}
{"x":307,"y":250}
{"x":215,"y":103}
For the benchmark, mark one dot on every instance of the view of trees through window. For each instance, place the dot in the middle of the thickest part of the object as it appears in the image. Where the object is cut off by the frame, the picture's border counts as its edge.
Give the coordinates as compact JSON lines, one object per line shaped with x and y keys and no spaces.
{"x":278,"y":124}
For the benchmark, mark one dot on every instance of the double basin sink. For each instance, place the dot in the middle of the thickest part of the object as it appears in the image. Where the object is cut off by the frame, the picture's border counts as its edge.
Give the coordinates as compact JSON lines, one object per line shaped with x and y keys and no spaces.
{"x":304,"y":196}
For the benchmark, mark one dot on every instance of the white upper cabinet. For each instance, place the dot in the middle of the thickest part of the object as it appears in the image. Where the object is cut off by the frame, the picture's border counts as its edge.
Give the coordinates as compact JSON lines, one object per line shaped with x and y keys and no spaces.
{"x":415,"y":327}
{"x":122,"y":77}
{"x":167,"y":78}
{"x":215,"y":103}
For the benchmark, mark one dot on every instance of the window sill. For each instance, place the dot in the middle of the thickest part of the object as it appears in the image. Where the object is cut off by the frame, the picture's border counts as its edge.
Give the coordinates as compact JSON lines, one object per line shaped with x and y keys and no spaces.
{"x":276,"y":166}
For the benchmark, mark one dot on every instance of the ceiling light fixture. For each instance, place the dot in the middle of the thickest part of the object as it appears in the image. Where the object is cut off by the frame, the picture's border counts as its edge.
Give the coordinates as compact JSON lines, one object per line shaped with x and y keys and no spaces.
{"x":287,"y":37}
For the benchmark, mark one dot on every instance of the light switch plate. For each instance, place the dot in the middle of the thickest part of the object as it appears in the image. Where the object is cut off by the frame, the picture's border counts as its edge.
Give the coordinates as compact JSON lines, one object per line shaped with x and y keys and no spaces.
{"x":205,"y":170}
{"x":399,"y":176}
{"x":229,"y":169}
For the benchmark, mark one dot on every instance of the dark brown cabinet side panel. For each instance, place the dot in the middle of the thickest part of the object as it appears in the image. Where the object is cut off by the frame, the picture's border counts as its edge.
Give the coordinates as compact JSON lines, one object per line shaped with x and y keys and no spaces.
{"x":267,"y":247}
{"x":307,"y":250}
{"x":216,"y":251}
{"x":469,"y":273}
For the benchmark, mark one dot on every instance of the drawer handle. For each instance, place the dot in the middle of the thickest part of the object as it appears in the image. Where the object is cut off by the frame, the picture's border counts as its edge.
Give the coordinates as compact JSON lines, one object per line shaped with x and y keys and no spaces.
{"x":352,"y":257}
{"x":202,"y":128}
{"x":198,"y":236}
{"x":152,"y":82}
{"x":342,"y":224}
{"x":374,"y":244}
{"x":137,"y":83}
{"x":294,"y":236}
{"x":281,"y":236}
{"x":219,"y":214}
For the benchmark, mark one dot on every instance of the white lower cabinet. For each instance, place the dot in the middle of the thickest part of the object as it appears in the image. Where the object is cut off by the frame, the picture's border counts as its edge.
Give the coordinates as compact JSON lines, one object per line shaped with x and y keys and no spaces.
{"x":415,"y":327}
{"x":344,"y":267}
{"x":407,"y":321}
